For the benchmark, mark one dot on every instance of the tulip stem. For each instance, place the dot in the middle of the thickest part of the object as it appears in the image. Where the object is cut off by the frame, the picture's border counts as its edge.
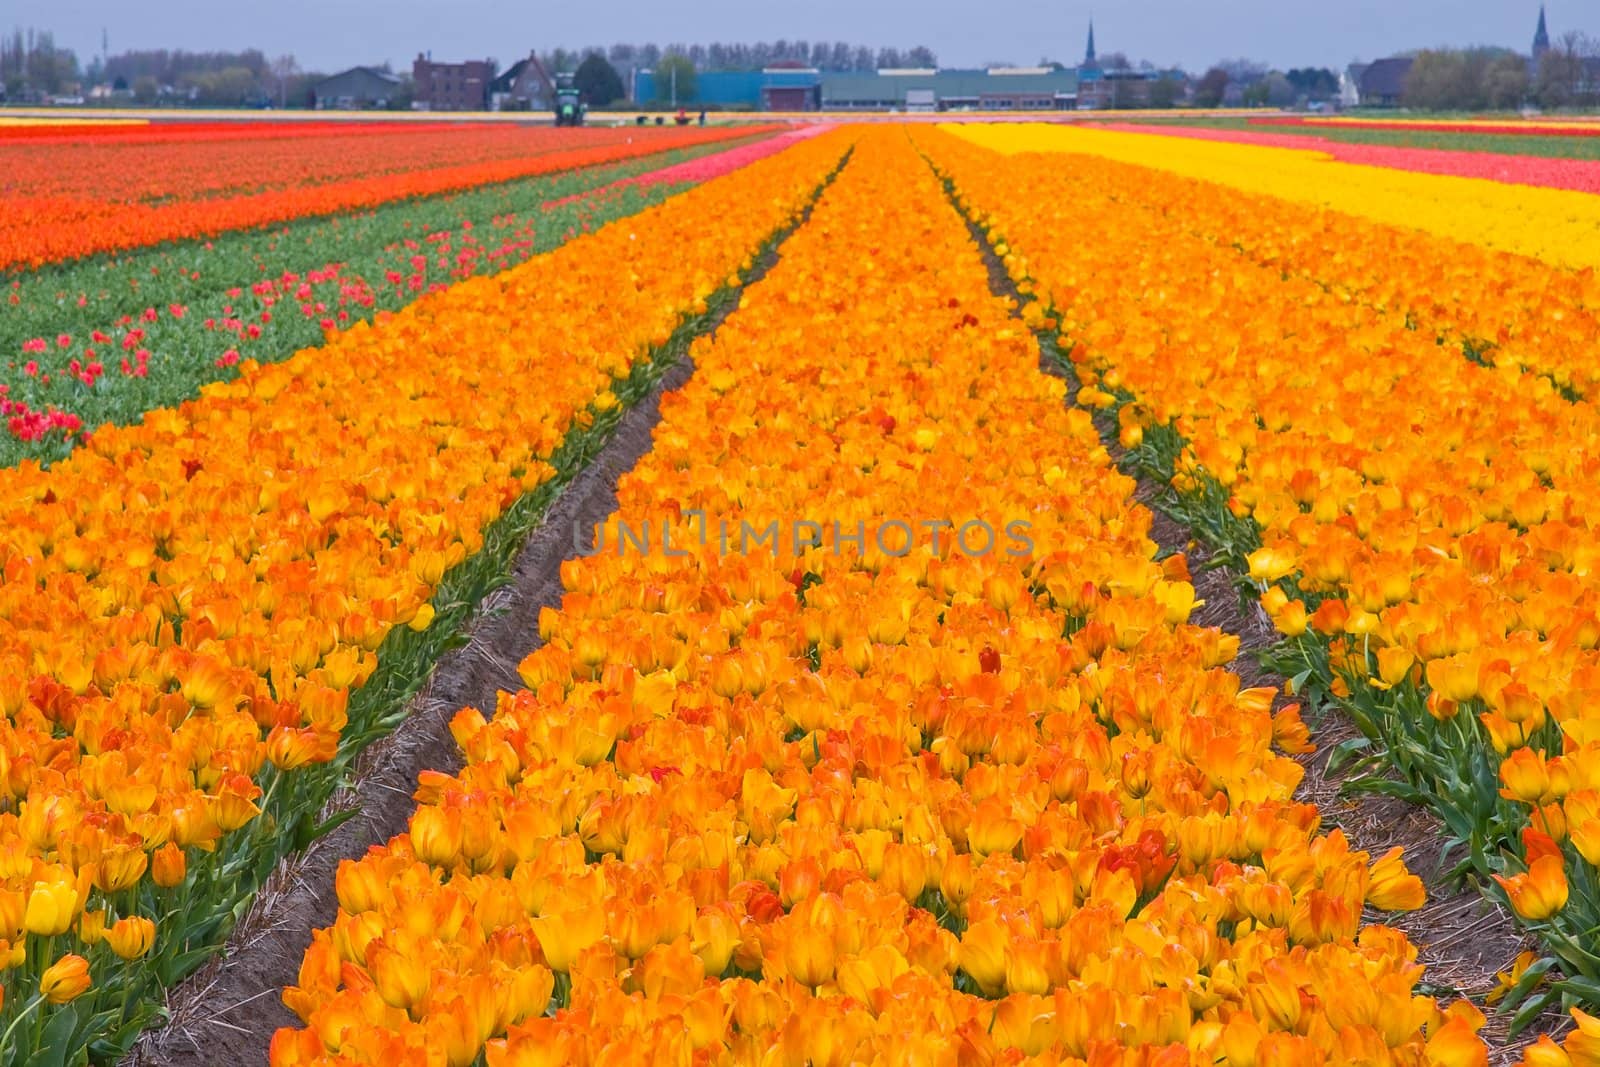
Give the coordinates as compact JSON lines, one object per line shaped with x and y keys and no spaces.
{"x":5,"y":1041}
{"x":272,"y":787}
{"x":46,"y":959}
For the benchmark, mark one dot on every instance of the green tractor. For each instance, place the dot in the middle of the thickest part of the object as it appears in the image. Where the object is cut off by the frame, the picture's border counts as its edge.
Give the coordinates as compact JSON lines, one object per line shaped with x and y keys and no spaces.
{"x":569,"y":104}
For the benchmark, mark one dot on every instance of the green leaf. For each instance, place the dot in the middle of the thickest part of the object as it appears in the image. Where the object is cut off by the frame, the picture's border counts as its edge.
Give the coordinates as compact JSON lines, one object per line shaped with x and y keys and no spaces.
{"x":1385,"y":787}
{"x":1526,"y":984}
{"x":1345,"y":751}
{"x":1584,"y":989}
{"x":332,"y":823}
{"x":1531,"y":1010}
{"x":56,"y":1044}
{"x":175,"y":968}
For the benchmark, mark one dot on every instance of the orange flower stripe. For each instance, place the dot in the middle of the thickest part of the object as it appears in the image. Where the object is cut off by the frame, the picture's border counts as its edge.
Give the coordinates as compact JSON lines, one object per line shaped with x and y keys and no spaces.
{"x":1537,"y":315}
{"x":78,"y":197}
{"x":1554,"y":225}
{"x":1423,"y":519}
{"x":187,"y":604}
{"x":828,"y":803}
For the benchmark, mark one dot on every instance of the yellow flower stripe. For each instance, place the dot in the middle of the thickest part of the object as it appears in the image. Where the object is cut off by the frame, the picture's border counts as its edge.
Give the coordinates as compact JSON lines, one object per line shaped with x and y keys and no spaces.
{"x":187,"y":605}
{"x":1555,"y":225}
{"x":833,"y":803}
{"x":69,"y":121}
{"x":1424,"y":531}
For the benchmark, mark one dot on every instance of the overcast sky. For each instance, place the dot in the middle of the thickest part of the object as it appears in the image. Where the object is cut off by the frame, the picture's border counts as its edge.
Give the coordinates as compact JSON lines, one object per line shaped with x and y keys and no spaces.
{"x":330,"y":35}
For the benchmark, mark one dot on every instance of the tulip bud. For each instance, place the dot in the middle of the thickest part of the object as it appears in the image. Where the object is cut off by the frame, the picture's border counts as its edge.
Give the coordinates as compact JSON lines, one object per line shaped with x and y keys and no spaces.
{"x":983,"y":955}
{"x":168,"y":866}
{"x":65,"y":980}
{"x":120,"y":868}
{"x":1393,"y":888}
{"x":51,"y":908}
{"x":131,"y":937}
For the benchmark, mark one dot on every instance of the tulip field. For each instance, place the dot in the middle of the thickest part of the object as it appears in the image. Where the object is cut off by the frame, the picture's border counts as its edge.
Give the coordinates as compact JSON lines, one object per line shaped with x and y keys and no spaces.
{"x":876,"y":723}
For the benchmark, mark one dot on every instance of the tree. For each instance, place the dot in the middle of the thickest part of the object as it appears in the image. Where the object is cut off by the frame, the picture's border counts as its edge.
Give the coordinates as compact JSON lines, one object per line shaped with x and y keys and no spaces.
{"x":228,"y":87}
{"x":1445,"y":79}
{"x":1164,"y":92}
{"x":279,"y":75}
{"x":922,"y":56}
{"x":598,"y":81}
{"x":1213,"y":86}
{"x":1561,"y":80}
{"x":145,"y":89}
{"x":675,"y":78}
{"x":1440,"y":80}
{"x":1314,"y":83}
{"x":1280,"y":92}
{"x":1505,"y":82}
{"x":32,"y":64}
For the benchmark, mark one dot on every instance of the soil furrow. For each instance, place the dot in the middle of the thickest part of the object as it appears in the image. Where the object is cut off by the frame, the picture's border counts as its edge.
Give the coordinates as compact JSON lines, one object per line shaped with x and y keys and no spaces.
{"x":1462,"y":938}
{"x":228,"y":1011}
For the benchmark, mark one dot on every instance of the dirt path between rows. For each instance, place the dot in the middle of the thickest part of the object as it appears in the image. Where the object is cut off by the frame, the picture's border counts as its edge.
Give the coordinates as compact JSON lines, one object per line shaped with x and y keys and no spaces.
{"x":227,"y":1012}
{"x":1462,"y":938}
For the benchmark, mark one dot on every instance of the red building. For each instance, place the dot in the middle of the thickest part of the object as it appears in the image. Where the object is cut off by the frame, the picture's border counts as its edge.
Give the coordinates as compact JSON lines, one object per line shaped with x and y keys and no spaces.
{"x":451,"y":86}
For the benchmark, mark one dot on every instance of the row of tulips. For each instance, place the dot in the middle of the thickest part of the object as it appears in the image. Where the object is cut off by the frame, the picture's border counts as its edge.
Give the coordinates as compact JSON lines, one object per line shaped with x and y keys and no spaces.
{"x":92,"y":342}
{"x":1538,"y":316}
{"x":205,"y":615}
{"x":1422,"y":545}
{"x":869,"y":789}
{"x":1553,"y":225}
{"x":81,"y":198}
{"x":180,"y":128}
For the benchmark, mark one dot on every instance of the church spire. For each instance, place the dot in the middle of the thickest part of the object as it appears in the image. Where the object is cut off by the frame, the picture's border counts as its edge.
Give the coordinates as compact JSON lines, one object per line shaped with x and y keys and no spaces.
{"x":1541,"y":36}
{"x":1088,"y":55}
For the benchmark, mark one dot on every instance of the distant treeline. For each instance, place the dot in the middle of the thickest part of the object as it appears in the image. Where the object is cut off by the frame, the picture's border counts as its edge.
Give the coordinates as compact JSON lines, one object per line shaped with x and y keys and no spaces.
{"x":1471,"y":79}
{"x":33,"y":67}
{"x":824,"y":55}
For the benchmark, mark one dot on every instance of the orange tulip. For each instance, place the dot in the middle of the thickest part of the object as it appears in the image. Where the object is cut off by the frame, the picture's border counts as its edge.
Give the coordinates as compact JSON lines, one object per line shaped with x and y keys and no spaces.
{"x":1393,"y":887}
{"x":401,"y":978}
{"x":809,"y":955}
{"x":1583,"y":1044}
{"x":131,"y":937}
{"x":984,"y":950}
{"x":1454,"y":678}
{"x":1456,"y":1044}
{"x":1540,"y":891}
{"x":562,"y":937}
{"x":65,"y":980}
{"x":168,"y":866}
